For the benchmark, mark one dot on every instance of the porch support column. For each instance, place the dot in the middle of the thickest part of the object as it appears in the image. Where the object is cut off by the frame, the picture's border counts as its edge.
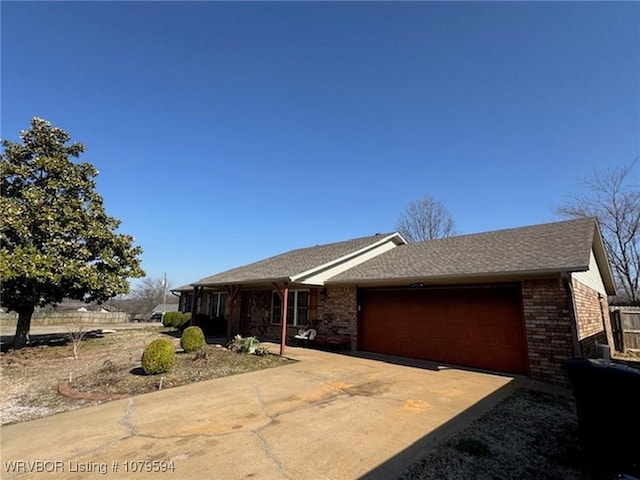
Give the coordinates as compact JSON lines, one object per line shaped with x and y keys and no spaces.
{"x":283,"y":293}
{"x":232,"y":293}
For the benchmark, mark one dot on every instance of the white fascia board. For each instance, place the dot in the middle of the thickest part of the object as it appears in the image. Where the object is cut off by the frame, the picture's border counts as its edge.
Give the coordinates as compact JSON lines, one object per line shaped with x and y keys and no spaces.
{"x":317,"y":275}
{"x":603,"y":263}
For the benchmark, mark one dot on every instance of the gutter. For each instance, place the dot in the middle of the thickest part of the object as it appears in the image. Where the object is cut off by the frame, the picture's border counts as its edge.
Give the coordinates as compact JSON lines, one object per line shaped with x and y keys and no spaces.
{"x":511,"y":275}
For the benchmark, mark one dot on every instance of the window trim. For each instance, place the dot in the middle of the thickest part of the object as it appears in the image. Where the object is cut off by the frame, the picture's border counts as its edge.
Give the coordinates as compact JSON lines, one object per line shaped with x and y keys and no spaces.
{"x":295,"y":308}
{"x":219,"y":304}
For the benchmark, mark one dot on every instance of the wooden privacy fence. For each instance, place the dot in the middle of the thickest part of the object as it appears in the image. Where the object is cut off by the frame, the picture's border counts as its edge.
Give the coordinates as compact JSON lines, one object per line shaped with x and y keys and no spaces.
{"x":63,"y":318}
{"x":626,"y":328}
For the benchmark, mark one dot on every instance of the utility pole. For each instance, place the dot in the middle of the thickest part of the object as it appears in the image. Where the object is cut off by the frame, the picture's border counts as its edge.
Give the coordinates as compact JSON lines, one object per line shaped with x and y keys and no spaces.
{"x":164,"y":293}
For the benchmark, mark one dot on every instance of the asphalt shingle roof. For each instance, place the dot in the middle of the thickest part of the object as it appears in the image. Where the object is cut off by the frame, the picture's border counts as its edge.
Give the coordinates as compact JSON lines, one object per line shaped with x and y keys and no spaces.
{"x":289,"y":264}
{"x":560,"y":246}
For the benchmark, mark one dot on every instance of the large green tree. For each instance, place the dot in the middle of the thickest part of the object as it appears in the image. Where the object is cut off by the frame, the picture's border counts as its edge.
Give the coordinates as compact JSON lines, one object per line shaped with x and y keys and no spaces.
{"x":56,"y":240}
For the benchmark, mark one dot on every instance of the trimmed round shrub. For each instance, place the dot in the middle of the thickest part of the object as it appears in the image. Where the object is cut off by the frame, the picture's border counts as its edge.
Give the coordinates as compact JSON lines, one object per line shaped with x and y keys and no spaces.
{"x":192,"y":339}
{"x":158,"y":357}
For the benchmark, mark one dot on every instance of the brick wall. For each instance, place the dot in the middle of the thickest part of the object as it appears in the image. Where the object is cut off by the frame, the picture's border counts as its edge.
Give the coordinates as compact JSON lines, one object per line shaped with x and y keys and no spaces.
{"x":338,"y":313}
{"x":258,"y":310}
{"x":591,"y":312}
{"x":548,"y":327}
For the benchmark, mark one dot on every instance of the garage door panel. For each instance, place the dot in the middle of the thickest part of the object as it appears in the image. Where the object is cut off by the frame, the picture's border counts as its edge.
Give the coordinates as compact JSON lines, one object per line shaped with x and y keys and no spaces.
{"x":476,"y":327}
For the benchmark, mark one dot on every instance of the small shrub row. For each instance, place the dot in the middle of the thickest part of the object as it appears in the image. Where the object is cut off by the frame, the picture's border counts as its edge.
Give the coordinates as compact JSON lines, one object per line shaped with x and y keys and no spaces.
{"x":176,"y":319}
{"x":160,"y":355}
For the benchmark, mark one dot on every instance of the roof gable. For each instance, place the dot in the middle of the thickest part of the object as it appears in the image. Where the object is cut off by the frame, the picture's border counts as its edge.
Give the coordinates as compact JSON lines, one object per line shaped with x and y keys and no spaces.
{"x":300,"y":264}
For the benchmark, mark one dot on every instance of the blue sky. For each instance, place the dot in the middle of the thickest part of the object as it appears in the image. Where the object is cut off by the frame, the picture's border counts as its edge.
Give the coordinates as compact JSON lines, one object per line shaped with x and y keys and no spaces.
{"x":228,"y":132}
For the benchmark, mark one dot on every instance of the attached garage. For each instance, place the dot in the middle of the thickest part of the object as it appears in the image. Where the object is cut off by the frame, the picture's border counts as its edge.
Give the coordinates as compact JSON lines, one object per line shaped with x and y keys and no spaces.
{"x":518,"y":301}
{"x":478,"y":327}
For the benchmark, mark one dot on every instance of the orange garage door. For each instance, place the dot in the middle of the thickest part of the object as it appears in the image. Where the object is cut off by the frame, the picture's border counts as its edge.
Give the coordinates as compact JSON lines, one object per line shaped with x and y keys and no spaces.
{"x":478,"y":327}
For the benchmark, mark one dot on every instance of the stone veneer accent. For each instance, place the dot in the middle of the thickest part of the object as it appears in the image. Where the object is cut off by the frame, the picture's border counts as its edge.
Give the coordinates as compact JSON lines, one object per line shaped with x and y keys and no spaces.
{"x":592,"y":309}
{"x":547,"y":319}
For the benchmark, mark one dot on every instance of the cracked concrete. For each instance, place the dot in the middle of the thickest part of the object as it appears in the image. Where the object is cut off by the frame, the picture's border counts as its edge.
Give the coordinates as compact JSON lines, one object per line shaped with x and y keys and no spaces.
{"x":329,"y":416}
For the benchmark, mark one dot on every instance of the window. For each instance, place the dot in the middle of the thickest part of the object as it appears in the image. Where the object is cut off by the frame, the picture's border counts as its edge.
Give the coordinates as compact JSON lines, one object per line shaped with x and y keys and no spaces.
{"x":218,"y":304}
{"x":297,"y":308}
{"x":188,"y":302}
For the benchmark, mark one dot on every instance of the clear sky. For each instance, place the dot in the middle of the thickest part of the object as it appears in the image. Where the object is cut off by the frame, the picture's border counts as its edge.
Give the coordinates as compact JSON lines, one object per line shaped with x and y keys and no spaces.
{"x":228,"y":132}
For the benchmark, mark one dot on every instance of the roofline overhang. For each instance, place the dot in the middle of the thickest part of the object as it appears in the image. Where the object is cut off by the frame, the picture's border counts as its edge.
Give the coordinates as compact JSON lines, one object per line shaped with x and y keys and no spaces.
{"x":182,"y":289}
{"x":244,"y":282}
{"x":603,"y":263}
{"x":460,"y":278}
{"x":263,"y":282}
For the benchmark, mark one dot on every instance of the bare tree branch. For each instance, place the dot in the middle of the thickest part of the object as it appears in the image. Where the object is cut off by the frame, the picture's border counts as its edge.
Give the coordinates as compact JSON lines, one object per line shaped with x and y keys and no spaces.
{"x":425,"y":219}
{"x":144,"y":296}
{"x":613,"y":196}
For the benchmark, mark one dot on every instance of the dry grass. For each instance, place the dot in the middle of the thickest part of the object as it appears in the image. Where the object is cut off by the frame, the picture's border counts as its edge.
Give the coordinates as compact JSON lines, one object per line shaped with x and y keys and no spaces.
{"x":530,"y":436}
{"x":106,"y":364}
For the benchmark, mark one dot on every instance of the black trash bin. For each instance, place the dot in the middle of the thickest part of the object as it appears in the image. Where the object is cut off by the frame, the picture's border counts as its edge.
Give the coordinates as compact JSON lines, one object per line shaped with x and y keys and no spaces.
{"x":608,"y":406}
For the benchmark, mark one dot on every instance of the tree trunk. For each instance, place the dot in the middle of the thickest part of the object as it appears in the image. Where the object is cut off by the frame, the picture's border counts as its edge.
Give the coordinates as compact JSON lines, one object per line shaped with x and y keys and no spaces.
{"x":23,"y":326}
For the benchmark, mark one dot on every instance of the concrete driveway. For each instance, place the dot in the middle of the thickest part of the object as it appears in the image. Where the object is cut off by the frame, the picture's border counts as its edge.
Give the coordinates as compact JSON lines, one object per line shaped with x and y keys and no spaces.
{"x":330,"y":416}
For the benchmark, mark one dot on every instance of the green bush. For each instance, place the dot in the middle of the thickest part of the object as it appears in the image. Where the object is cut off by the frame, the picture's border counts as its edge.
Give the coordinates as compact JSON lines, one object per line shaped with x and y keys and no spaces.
{"x":158,"y":357}
{"x":183,"y":322}
{"x":192,"y":339}
{"x":176,"y":319}
{"x":170,"y":318}
{"x":166,"y":319}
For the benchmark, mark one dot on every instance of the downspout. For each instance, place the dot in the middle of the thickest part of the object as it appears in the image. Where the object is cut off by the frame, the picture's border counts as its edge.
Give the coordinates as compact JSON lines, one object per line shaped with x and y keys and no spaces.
{"x":577,"y":350}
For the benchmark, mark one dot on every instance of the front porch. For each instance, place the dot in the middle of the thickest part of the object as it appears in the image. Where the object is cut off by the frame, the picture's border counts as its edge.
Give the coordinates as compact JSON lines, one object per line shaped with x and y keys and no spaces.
{"x":259,"y":311}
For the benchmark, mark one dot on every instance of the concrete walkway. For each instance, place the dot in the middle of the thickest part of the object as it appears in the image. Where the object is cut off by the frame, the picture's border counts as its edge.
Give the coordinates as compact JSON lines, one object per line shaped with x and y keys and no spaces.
{"x":330,"y":416}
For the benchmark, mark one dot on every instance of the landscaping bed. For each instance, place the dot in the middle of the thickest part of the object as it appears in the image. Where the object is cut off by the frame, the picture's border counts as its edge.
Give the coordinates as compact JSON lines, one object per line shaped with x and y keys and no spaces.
{"x":108,"y":366}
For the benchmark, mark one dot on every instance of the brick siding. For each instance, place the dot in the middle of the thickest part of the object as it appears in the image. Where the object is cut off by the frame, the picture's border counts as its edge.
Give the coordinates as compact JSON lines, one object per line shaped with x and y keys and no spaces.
{"x":546,"y":312}
{"x":547,"y":320}
{"x":592,"y":310}
{"x":338,"y":313}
